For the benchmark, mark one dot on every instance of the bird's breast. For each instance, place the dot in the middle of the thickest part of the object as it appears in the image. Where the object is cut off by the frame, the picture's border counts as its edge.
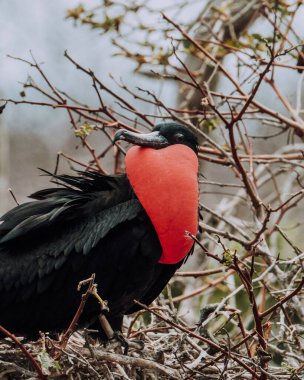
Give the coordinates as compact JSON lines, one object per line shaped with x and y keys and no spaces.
{"x":165,"y":182}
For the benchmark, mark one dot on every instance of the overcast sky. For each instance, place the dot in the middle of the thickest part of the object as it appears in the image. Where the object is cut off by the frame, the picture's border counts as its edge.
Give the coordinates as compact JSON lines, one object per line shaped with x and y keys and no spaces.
{"x":40,"y":26}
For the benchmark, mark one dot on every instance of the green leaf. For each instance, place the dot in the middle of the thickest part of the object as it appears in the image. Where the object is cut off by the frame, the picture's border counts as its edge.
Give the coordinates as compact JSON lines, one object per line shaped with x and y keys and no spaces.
{"x":84,"y":131}
{"x":228,"y":258}
{"x":186,"y":44}
{"x":257,"y":36}
{"x":47,"y":362}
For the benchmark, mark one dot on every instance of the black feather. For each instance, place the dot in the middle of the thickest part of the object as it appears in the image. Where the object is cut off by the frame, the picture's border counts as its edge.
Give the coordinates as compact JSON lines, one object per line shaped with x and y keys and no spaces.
{"x":89,"y":224}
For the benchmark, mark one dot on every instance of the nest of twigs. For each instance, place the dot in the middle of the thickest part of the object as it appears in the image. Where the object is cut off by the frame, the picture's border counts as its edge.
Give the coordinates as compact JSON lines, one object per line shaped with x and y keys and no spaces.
{"x":162,"y":345}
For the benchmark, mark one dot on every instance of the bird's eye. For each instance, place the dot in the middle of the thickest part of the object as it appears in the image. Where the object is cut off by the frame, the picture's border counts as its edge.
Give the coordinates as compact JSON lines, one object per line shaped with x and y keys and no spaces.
{"x":179,"y":137}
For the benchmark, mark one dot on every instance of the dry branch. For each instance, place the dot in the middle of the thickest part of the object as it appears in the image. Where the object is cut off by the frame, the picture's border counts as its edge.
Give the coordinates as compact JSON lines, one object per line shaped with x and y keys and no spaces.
{"x":249,"y":258}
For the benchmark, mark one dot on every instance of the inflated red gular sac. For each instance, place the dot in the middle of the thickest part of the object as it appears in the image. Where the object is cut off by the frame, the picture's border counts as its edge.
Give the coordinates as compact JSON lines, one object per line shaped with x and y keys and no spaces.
{"x":164,"y":178}
{"x":128,"y":229}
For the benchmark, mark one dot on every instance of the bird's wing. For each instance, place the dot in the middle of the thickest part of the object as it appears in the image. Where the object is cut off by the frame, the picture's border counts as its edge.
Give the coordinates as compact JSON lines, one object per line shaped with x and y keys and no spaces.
{"x":37,"y":238}
{"x":80,"y":198}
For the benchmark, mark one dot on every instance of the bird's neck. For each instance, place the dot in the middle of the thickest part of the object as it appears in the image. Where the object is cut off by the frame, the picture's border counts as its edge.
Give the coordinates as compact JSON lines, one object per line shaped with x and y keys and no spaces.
{"x":165,"y":182}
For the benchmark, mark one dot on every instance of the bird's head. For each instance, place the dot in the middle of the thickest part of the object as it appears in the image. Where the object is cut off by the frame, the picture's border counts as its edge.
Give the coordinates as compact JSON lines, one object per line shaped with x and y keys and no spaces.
{"x":162,"y":135}
{"x":162,"y":170}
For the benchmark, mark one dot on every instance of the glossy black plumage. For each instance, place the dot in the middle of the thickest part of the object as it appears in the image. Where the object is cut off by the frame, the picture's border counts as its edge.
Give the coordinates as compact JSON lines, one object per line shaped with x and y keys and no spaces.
{"x":94,"y":224}
{"x":89,"y":224}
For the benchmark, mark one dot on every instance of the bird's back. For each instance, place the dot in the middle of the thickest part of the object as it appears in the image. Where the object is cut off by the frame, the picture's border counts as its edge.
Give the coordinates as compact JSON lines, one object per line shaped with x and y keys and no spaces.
{"x":90,"y":224}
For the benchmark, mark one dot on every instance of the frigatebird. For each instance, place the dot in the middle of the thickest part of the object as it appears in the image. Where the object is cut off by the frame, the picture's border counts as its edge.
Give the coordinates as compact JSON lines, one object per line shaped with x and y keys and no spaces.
{"x":128,"y":229}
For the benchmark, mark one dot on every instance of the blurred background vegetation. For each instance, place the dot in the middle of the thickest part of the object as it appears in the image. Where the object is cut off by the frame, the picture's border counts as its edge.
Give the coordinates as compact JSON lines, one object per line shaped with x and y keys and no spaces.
{"x":200,"y":63}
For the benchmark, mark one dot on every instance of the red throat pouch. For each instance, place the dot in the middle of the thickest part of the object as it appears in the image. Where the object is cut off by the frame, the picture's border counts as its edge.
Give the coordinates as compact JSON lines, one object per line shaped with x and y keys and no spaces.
{"x":165,"y":182}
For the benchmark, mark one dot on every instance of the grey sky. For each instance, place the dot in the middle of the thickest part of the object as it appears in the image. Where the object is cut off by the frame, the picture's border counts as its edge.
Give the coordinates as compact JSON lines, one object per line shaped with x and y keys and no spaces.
{"x":40,"y":26}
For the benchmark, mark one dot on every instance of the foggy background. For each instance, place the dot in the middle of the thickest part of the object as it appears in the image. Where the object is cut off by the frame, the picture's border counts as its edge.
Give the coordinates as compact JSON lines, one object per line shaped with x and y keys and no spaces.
{"x":30,"y":137}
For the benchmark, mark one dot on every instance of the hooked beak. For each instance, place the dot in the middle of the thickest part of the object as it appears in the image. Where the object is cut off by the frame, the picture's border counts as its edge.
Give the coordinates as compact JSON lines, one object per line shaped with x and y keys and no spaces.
{"x":153,"y":139}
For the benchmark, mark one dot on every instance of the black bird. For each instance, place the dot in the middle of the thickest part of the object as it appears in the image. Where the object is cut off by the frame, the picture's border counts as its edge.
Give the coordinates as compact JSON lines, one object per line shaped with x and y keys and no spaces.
{"x":128,"y":229}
